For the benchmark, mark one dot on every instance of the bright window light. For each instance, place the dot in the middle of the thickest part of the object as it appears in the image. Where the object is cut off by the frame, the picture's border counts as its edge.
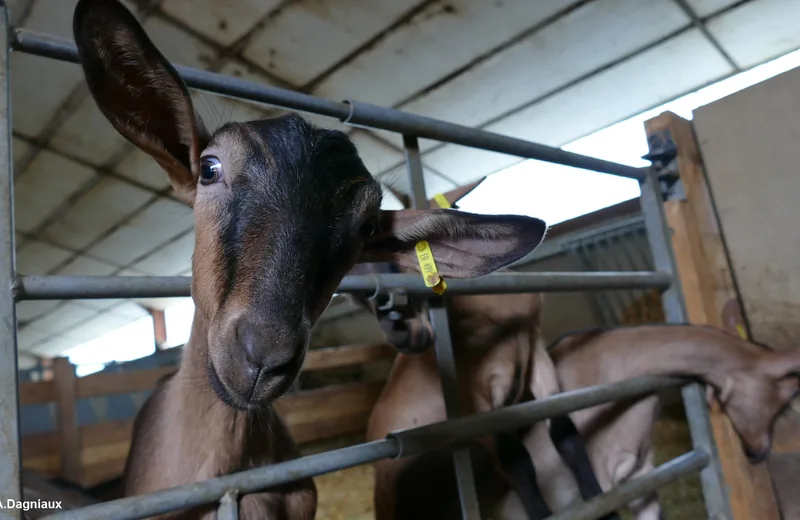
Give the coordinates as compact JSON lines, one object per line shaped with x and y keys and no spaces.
{"x":90,"y":368}
{"x":178,"y":320}
{"x":132,"y":341}
{"x":557,"y":193}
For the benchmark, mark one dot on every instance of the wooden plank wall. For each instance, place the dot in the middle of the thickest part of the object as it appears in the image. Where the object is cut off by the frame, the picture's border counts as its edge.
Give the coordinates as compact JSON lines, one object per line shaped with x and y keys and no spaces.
{"x":709,"y":292}
{"x":749,"y":143}
{"x":95,"y":453}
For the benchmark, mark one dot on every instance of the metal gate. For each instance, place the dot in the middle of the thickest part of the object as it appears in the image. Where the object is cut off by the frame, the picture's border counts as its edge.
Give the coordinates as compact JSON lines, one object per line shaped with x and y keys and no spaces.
{"x":226,"y":489}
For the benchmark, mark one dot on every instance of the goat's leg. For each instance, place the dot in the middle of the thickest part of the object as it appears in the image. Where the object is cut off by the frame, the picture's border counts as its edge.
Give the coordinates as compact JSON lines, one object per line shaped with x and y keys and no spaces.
{"x":646,"y":507}
{"x":572,"y":448}
{"x":516,"y":462}
{"x":297,"y":501}
{"x":386,"y":475}
{"x":622,"y":449}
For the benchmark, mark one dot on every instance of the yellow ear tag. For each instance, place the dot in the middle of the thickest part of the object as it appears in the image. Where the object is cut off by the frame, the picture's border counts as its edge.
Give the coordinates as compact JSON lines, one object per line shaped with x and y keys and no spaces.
{"x":442,"y":201}
{"x":428,"y":268}
{"x":741,"y":331}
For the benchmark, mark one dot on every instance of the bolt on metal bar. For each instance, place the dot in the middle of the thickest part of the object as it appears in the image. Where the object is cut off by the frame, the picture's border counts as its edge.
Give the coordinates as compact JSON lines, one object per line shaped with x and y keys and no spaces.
{"x":625,"y":493}
{"x":350,"y":112}
{"x":445,"y":361}
{"x":397,"y":444}
{"x":10,"y":462}
{"x":712,"y":477}
{"x":59,"y":287}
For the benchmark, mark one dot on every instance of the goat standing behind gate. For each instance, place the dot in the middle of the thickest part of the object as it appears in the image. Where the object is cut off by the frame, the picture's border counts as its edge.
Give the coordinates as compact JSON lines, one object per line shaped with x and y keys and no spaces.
{"x":752,"y":383}
{"x":282,"y":211}
{"x":500,"y":360}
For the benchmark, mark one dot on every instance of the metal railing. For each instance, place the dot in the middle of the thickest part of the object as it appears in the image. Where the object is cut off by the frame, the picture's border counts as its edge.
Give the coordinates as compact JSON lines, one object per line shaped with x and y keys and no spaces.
{"x":227,"y":489}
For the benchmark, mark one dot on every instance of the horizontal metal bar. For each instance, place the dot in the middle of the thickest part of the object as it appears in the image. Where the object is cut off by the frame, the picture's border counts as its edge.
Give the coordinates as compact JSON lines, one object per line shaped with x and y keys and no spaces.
{"x":441,"y":434}
{"x":623,"y":494}
{"x":99,"y":287}
{"x":211,"y":490}
{"x":397,"y":444}
{"x":48,"y":46}
{"x":374,"y":116}
{"x":349,"y":112}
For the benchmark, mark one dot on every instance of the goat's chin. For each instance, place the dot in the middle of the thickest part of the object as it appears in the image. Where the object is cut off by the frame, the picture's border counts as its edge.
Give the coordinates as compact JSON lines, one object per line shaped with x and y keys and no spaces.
{"x":265,"y":393}
{"x":757,"y":456}
{"x":758,"y":452}
{"x":222,"y":393}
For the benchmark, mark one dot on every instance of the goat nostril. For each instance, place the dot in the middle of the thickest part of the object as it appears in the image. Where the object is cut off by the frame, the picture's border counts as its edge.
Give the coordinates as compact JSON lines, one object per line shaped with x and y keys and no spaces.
{"x":248,"y":342}
{"x":278,"y":371}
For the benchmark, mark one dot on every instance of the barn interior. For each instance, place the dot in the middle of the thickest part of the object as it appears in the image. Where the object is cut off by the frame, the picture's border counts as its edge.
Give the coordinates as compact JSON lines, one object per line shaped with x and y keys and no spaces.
{"x":717,"y":80}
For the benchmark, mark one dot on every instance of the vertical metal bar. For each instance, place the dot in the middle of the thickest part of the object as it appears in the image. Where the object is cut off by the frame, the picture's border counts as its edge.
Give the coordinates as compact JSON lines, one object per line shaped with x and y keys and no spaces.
{"x":607,"y":258}
{"x":228,"y":506}
{"x":10,"y":471}
{"x":600,"y":302}
{"x":416,"y":177}
{"x":712,"y":479}
{"x":465,"y":477}
{"x":627,"y":241}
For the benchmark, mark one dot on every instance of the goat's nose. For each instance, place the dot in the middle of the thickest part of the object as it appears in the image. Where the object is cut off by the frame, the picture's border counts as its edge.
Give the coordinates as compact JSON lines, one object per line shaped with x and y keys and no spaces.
{"x":248,"y":339}
{"x":269,"y":347}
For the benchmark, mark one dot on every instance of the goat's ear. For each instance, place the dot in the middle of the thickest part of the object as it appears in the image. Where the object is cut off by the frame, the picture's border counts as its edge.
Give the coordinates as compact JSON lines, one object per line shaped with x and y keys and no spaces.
{"x":455,"y":195}
{"x":139,"y":91}
{"x":404,"y":199}
{"x":464,"y":245}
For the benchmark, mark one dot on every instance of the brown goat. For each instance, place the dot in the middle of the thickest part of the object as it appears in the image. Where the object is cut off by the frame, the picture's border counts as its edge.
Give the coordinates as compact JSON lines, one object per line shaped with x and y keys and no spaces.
{"x":283,"y":210}
{"x":491,"y":372}
{"x":752,"y":383}
{"x":500,"y":359}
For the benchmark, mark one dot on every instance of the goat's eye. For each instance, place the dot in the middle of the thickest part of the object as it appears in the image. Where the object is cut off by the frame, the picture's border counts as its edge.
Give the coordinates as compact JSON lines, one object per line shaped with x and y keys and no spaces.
{"x":369,"y":227}
{"x":210,"y":170}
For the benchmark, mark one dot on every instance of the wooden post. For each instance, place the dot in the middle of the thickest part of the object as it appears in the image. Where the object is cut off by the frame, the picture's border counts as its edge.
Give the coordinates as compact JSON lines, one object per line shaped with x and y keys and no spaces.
{"x":708,"y":289}
{"x":159,"y":327}
{"x":67,"y":419}
{"x":47,"y":369}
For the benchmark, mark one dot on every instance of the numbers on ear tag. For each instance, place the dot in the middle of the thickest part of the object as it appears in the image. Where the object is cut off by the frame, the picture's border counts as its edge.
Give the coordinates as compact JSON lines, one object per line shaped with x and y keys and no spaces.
{"x":427,"y":266}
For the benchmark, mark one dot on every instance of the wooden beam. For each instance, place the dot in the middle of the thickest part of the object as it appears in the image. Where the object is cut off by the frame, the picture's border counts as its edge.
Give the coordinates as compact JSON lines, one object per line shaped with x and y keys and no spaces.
{"x":36,"y":392}
{"x":100,"y":384}
{"x":40,"y":445}
{"x":109,"y":383}
{"x":37,"y":487}
{"x":67,"y":420}
{"x":328,"y":403}
{"x":709,"y":293}
{"x":311,"y":416}
{"x":347,"y":355}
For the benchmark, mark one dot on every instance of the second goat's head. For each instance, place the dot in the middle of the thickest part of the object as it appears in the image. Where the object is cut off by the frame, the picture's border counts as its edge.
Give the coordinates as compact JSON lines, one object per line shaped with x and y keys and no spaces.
{"x":283,"y":210}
